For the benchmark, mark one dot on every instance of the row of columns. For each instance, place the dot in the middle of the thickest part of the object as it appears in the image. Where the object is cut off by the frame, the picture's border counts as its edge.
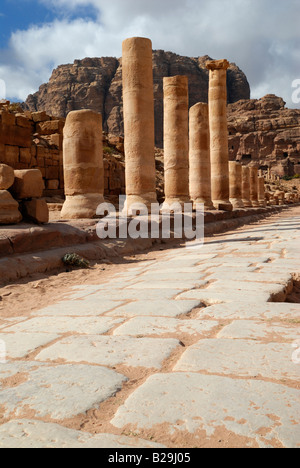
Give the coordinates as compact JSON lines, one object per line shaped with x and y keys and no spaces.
{"x":196,"y":158}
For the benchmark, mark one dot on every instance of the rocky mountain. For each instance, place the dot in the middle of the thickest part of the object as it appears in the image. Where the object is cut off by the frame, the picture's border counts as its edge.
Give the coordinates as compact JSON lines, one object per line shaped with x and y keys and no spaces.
{"x":96,"y":83}
{"x":263,"y":131}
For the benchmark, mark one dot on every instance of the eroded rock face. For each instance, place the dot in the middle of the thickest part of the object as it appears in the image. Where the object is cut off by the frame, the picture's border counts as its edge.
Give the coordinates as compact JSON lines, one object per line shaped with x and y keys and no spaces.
{"x":265,"y":133}
{"x":96,"y":83}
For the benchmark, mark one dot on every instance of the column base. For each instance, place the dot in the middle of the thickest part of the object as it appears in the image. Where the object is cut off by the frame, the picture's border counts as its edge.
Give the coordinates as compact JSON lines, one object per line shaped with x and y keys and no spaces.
{"x":237,"y":203}
{"x":175,"y":205}
{"x":262,"y":203}
{"x":81,"y":206}
{"x":247,"y":203}
{"x":208,"y":204}
{"x":141,"y":203}
{"x":223,"y":205}
{"x":255,"y":204}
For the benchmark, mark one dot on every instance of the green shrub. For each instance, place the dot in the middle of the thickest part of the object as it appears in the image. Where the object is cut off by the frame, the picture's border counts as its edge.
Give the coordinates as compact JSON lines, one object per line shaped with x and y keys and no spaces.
{"x":108,"y":149}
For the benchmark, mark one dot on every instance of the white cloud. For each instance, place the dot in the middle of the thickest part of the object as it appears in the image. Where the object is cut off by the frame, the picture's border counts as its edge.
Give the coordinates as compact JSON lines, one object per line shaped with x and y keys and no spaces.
{"x":261,"y":36}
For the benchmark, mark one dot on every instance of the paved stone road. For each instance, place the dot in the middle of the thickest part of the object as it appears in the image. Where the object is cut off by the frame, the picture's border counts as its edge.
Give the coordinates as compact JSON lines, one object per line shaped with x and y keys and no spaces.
{"x":185,"y":351}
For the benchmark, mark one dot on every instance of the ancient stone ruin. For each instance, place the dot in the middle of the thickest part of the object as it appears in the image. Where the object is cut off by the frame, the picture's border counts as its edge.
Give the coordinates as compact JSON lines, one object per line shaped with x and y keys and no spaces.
{"x":46,"y":157}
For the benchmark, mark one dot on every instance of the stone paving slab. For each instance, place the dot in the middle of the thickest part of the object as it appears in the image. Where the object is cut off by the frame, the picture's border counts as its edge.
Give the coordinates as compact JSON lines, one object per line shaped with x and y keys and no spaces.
{"x":26,"y":433}
{"x":171,"y":276}
{"x":249,"y":329}
{"x":143,"y":326}
{"x":156,"y":308}
{"x":91,"y":306}
{"x":80,"y":325}
{"x":111,"y":350}
{"x":261,"y":411}
{"x":242,"y":310}
{"x":180,"y":285}
{"x":225,"y":295}
{"x":238,"y":262}
{"x":111,"y":294}
{"x":19,"y":345}
{"x":240,"y":357}
{"x":250,"y":276}
{"x":236,"y":285}
{"x":58,"y":392}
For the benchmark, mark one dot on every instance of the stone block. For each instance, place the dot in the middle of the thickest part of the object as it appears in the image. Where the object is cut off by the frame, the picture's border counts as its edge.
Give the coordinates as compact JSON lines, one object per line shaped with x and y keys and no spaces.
{"x":52,"y":172}
{"x":15,"y":136}
{"x":53,"y":184}
{"x":28,"y":184}
{"x":22,"y":121}
{"x":9,"y":212}
{"x":7,"y":177}
{"x":39,"y":116}
{"x":7,"y":118}
{"x":11,"y":156}
{"x":50,"y":127}
{"x":25,"y":155}
{"x":35,"y":210}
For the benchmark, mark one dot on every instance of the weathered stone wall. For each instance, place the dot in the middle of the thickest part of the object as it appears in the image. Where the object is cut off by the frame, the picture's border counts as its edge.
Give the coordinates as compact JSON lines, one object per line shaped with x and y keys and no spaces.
{"x":33,"y":141}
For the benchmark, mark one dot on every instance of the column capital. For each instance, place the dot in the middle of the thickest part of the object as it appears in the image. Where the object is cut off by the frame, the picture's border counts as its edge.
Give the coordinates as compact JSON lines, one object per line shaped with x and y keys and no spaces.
{"x":218,"y":65}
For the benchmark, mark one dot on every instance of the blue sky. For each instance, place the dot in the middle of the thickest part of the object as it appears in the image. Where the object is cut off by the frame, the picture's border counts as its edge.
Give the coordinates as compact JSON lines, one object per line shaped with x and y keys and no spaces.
{"x":261,"y":36}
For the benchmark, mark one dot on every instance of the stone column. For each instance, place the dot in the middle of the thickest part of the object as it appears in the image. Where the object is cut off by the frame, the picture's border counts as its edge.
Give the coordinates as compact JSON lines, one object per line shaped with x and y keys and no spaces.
{"x":176,"y":140}
{"x":138,"y":102}
{"x":246,"y":187}
{"x":219,"y":134}
{"x":199,"y":156}
{"x":254,"y":186}
{"x":261,"y":191}
{"x":235,"y":184}
{"x":83,"y":164}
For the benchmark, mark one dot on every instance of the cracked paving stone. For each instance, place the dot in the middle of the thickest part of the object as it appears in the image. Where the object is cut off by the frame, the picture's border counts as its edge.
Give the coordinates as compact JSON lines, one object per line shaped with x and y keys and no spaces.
{"x":180,"y":285}
{"x":242,"y":310}
{"x":80,"y":325}
{"x":60,"y":392}
{"x":160,"y":326}
{"x":19,"y":345}
{"x":156,"y":308}
{"x":37,"y":434}
{"x":249,"y":329}
{"x":262,"y":411}
{"x":89,"y":306}
{"x":224,"y":296}
{"x":111,"y":351}
{"x":241,"y":357}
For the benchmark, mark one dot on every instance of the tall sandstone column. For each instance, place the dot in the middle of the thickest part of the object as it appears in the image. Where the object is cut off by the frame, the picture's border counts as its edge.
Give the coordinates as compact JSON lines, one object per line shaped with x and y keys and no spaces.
{"x":261,"y":191}
{"x":254,"y":186}
{"x":176,"y":140}
{"x":138,"y":102}
{"x":235,"y":184}
{"x":83,"y":164}
{"x":199,"y":156}
{"x":219,"y":134}
{"x":246,"y":187}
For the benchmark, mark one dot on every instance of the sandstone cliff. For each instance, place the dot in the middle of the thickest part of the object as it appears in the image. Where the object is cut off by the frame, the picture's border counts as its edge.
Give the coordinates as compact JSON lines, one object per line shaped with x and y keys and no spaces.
{"x":96,"y":83}
{"x":265,"y":132}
